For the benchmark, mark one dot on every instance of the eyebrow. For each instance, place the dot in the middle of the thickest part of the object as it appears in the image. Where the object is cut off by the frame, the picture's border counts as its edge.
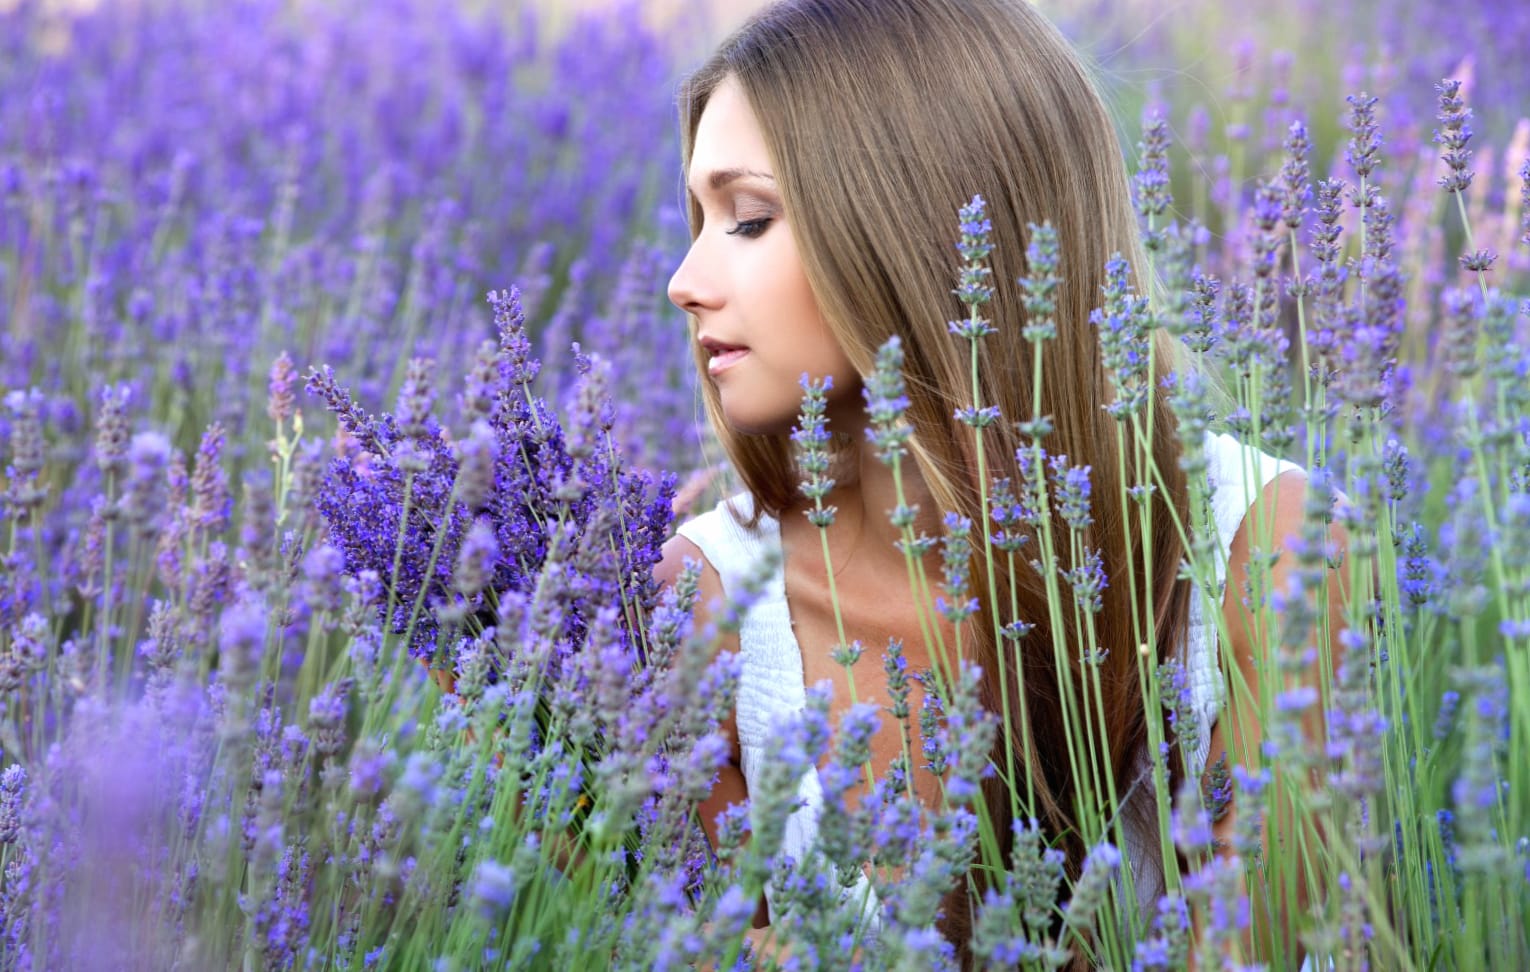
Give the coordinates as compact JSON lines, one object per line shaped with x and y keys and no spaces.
{"x":721,"y":177}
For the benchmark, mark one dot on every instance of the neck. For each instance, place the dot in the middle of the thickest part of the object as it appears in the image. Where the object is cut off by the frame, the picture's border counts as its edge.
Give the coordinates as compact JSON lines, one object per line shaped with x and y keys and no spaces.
{"x":865,"y":497}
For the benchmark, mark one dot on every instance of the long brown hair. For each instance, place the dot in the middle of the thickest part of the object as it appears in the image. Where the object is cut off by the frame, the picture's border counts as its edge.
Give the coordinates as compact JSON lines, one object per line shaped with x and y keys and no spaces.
{"x":883,"y":117}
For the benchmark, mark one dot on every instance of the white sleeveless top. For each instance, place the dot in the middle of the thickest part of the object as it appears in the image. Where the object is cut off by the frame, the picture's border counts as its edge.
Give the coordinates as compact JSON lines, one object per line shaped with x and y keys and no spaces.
{"x":771,"y":686}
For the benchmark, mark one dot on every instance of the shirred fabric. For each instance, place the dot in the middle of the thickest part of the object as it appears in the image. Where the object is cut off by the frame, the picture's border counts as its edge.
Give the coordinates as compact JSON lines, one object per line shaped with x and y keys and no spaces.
{"x":771,"y":687}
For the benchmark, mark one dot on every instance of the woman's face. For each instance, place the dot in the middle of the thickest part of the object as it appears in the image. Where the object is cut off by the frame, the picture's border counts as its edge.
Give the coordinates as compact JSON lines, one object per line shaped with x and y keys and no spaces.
{"x":743,"y":280}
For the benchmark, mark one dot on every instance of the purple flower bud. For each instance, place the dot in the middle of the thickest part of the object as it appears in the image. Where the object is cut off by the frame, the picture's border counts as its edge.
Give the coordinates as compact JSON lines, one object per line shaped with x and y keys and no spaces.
{"x":27,"y":446}
{"x":210,"y":502}
{"x":811,"y":437}
{"x":112,"y":430}
{"x":1125,"y":323}
{"x":280,"y":404}
{"x":1100,"y":867}
{"x":1151,"y":183}
{"x":323,"y":568}
{"x":1072,"y":486}
{"x":1524,"y":202}
{"x":326,"y":717}
{"x":1295,"y":181}
{"x":13,"y":784}
{"x":241,"y":641}
{"x":476,"y":560}
{"x":517,"y":367}
{"x":417,"y":397}
{"x":1364,"y":151}
{"x":886,"y":403}
{"x":143,"y":490}
{"x":478,"y":386}
{"x":956,"y":565}
{"x":1454,"y":132}
{"x":492,"y":890}
{"x":974,"y":287}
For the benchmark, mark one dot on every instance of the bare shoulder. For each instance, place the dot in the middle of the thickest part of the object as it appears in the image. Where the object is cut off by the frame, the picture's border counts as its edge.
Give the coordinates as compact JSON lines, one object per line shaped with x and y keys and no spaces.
{"x":677,"y":551}
{"x":730,"y":786}
{"x":1270,"y":529}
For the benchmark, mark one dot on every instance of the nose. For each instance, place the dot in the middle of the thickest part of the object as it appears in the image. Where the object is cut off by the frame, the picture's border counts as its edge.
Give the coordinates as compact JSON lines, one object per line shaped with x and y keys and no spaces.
{"x":688,"y":289}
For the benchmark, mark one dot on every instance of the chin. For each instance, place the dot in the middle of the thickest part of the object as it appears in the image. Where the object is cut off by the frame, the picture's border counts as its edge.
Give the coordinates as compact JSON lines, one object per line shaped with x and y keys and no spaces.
{"x":755,"y":420}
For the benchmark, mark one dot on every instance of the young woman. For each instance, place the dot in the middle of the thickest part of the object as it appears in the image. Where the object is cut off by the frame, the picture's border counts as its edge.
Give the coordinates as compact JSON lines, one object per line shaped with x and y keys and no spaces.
{"x":828,"y":145}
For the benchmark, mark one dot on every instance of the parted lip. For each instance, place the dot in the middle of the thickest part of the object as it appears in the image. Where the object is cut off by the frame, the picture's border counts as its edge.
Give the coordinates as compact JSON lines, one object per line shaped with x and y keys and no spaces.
{"x":715,"y":347}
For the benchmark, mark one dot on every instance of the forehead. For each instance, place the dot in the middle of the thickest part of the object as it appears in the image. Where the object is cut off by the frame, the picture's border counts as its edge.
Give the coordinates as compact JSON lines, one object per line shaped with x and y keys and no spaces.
{"x":728,"y":140}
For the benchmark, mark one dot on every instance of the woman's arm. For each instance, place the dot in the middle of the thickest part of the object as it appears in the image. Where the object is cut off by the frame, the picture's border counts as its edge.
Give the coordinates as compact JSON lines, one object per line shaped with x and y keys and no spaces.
{"x":730,"y":787}
{"x":1283,"y":500}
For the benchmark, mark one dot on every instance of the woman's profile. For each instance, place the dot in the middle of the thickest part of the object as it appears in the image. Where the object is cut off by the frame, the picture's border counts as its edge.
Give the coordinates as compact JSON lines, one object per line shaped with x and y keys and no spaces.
{"x":828,"y":146}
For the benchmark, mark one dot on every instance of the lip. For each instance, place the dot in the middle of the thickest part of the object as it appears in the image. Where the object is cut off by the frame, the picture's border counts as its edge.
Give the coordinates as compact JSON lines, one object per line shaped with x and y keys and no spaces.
{"x":723,"y":355}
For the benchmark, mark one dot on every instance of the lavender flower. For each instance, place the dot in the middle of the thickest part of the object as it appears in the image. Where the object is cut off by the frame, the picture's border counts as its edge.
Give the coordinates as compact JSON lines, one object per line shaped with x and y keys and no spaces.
{"x":280,"y":403}
{"x":13,"y":787}
{"x":811,"y":436}
{"x":886,"y":403}
{"x":1072,"y":487}
{"x":1524,"y":202}
{"x":975,"y":246}
{"x":493,"y":890}
{"x":1295,"y":181}
{"x":1100,"y":868}
{"x":1124,"y":323}
{"x":210,"y":504}
{"x":23,"y":493}
{"x":1151,"y":183}
{"x":323,"y":571}
{"x":112,"y":431}
{"x":1453,"y":134}
{"x":476,"y":560}
{"x":1040,"y":284}
{"x":1364,"y":151}
{"x":1088,"y":582}
{"x":326,"y":718}
{"x":956,"y":605}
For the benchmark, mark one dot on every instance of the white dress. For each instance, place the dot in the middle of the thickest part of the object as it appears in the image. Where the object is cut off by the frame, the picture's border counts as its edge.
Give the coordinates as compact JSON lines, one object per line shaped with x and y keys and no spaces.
{"x":771,"y":685}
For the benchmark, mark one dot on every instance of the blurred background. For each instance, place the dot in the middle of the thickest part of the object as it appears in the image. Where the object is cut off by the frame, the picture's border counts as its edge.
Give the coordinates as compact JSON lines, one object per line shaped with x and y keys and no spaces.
{"x":188,"y":189}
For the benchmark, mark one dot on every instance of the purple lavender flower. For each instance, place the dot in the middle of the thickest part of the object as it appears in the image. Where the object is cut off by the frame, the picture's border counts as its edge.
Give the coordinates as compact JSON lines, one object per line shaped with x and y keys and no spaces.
{"x":1072,"y":487}
{"x":476,"y":560}
{"x":112,"y":430}
{"x":1124,"y":323}
{"x":811,"y":436}
{"x":241,"y":641}
{"x":23,"y":494}
{"x":1453,"y":134}
{"x":280,"y":403}
{"x":1008,"y":516}
{"x":210,"y":503}
{"x":886,"y":402}
{"x":13,"y":787}
{"x":974,"y":290}
{"x":1151,"y":183}
{"x":1100,"y":867}
{"x":323,"y":569}
{"x":1524,"y":202}
{"x":1295,"y":181}
{"x":326,"y":718}
{"x":1364,"y":151}
{"x":957,"y":604}
{"x":1040,"y":283}
{"x":1088,"y":582}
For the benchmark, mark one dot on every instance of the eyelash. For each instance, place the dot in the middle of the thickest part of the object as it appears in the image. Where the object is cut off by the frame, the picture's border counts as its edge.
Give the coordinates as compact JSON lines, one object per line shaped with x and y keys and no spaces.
{"x":749,"y":228}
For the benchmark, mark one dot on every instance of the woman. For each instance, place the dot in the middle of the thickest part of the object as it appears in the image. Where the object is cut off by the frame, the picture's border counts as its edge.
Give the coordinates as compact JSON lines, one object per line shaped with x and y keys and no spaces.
{"x":828,"y":145}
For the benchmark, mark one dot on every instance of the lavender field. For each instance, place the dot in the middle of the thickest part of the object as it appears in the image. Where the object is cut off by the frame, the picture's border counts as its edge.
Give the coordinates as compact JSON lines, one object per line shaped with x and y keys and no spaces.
{"x":344,"y":416}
